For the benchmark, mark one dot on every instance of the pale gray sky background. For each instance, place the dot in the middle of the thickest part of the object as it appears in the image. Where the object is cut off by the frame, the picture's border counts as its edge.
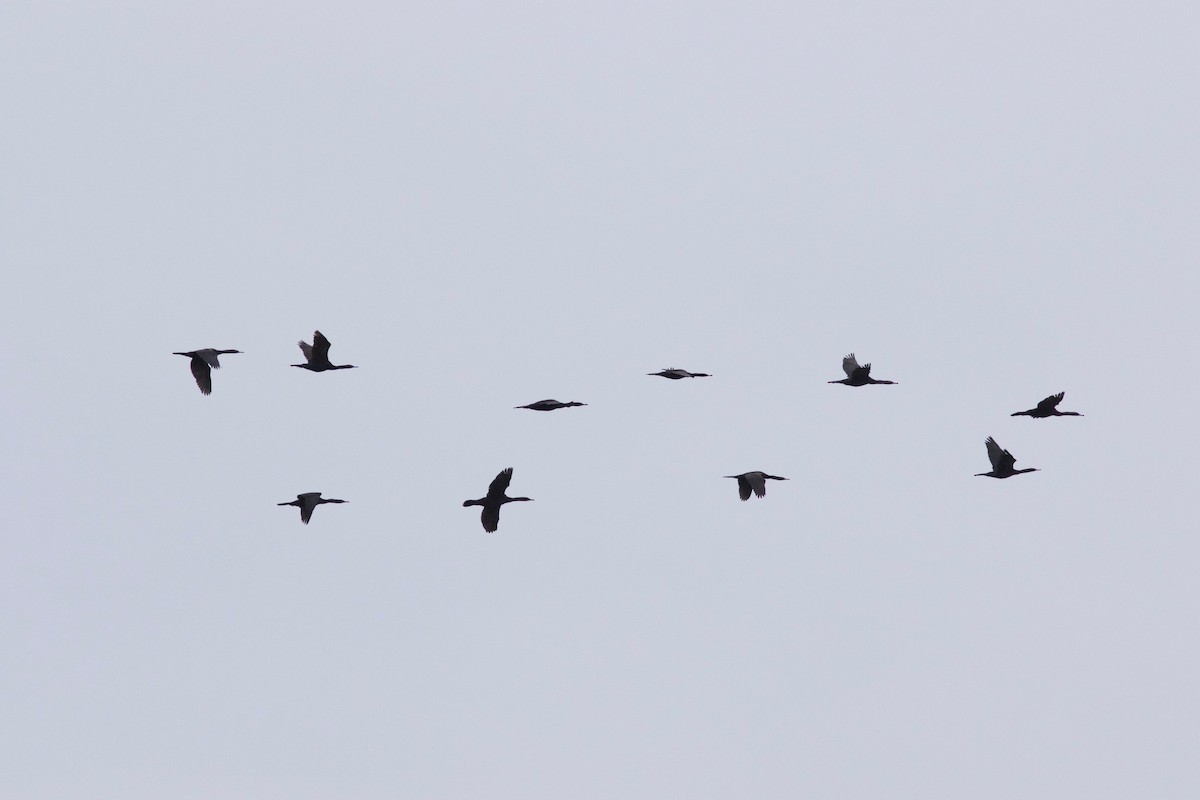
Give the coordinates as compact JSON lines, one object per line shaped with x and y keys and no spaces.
{"x":486,"y":205}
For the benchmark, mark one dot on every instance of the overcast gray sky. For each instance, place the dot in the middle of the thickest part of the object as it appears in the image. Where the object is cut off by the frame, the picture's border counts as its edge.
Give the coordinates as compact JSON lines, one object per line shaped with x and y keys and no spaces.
{"x":484,"y":206}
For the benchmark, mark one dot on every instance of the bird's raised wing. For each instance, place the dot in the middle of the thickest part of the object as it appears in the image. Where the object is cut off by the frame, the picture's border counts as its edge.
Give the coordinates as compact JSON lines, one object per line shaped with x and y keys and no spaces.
{"x":306,"y":349}
{"x":849,"y":365}
{"x":995,"y":453}
{"x":500,"y":483}
{"x":320,"y":346}
{"x":202,"y":374}
{"x":1002,"y":460}
{"x":1051,"y":402}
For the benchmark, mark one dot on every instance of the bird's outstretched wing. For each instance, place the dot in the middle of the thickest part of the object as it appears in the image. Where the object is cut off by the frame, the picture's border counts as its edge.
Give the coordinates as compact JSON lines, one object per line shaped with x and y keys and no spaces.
{"x":202,"y":374}
{"x":1002,"y":460}
{"x":308,"y":502}
{"x":995,"y":453}
{"x":743,"y":487}
{"x":759,"y":484}
{"x":320,"y":346}
{"x":500,"y":483}
{"x":1051,"y":402}
{"x":490,"y":518}
{"x":849,"y":365}
{"x":306,"y":349}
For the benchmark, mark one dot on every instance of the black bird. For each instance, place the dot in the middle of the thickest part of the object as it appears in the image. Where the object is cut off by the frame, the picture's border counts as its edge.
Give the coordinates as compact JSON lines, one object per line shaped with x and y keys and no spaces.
{"x":494,"y":499}
{"x":673,"y":373}
{"x":317,"y":355}
{"x":309,"y":501}
{"x":1002,"y":462}
{"x":1047,"y":408}
{"x":550,"y":405}
{"x":203,"y":363}
{"x":856,"y":374}
{"x":754,"y":481}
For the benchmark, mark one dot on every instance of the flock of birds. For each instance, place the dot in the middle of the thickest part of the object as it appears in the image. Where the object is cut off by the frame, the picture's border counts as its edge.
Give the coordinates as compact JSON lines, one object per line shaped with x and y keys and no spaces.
{"x":316,"y":359}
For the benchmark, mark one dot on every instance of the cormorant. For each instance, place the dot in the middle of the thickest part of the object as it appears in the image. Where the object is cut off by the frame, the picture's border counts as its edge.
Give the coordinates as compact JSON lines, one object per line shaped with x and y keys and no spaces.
{"x":317,"y":355}
{"x":203,"y":363}
{"x":307,"y":502}
{"x":754,"y":481}
{"x":856,"y":374}
{"x":494,"y":499}
{"x":1002,"y":462}
{"x":550,"y":405}
{"x":675,"y":374}
{"x":1047,"y":408}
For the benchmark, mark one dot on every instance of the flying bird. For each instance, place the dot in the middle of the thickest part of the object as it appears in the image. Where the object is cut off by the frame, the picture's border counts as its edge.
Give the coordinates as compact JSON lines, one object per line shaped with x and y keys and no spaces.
{"x":550,"y":405}
{"x":857,"y":374}
{"x":673,"y":373}
{"x":754,"y":482}
{"x":203,"y":363}
{"x":495,"y":498}
{"x":317,"y":355}
{"x":1047,"y":408}
{"x":1002,"y":462}
{"x":309,"y":501}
